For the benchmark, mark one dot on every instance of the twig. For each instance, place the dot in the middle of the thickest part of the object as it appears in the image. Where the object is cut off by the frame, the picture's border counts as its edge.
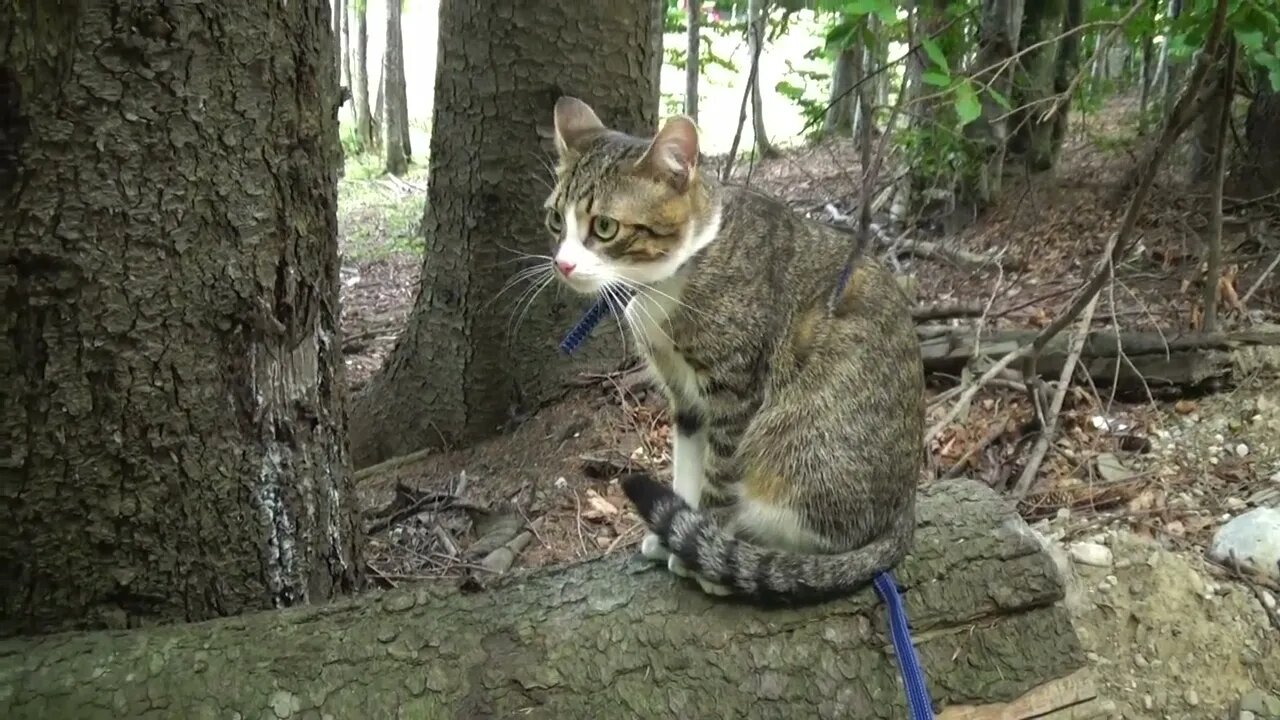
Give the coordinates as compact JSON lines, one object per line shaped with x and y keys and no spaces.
{"x":1214,"y":270}
{"x":958,"y":467}
{"x":972,"y":390}
{"x":727,"y":170}
{"x":1258,"y":283}
{"x":1049,"y":426}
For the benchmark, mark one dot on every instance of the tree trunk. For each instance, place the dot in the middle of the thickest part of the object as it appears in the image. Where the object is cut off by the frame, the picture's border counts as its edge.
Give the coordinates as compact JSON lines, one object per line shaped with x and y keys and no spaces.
{"x":758,"y":18}
{"x":844,"y":75}
{"x":1260,"y":166}
{"x":379,"y":114}
{"x":1035,"y":84}
{"x":863,"y":104}
{"x":335,"y":15}
{"x":607,"y":638}
{"x":464,"y":366}
{"x":347,"y":80}
{"x":1144,"y":91}
{"x":173,"y":411}
{"x":1209,"y":131}
{"x":999,"y":28}
{"x":692,"y":62}
{"x":1172,"y":69}
{"x":395,"y":118}
{"x":360,"y":83}
{"x":1068,"y":64}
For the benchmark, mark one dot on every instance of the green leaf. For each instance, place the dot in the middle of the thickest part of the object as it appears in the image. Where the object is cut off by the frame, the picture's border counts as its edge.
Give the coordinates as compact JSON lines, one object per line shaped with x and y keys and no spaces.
{"x":936,"y":55}
{"x":967,"y":106}
{"x":935,"y":78}
{"x":1000,"y":99}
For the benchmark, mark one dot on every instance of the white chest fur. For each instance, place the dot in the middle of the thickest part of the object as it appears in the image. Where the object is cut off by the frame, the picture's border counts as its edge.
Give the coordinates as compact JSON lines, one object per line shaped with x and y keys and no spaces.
{"x":649,"y":317}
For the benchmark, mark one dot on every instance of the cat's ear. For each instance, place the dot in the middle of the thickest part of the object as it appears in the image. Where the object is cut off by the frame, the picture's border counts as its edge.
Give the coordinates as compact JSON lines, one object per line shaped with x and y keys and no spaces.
{"x":673,"y":155}
{"x":575,"y":121}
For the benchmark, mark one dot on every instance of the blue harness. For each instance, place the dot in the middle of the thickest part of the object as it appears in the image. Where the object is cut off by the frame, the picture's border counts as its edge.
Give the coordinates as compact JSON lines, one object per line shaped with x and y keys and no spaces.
{"x":918,"y":704}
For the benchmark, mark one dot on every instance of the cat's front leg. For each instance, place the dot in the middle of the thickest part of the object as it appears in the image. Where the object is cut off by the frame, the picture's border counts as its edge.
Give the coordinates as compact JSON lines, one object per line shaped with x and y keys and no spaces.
{"x":689,"y":479}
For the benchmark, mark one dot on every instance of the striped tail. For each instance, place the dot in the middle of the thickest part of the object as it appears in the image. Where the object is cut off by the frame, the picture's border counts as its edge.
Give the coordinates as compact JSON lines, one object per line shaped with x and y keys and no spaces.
{"x":751,"y":570}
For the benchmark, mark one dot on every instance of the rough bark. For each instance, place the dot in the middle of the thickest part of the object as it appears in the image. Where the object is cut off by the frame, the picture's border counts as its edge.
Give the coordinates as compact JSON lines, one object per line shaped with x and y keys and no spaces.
{"x":999,"y":27}
{"x":1209,"y":128}
{"x":692,"y":59}
{"x":600,"y":639}
{"x":844,"y":73}
{"x":464,"y":366}
{"x":1035,"y":87}
{"x":395,"y":118}
{"x":1066,"y":67}
{"x":360,"y":83}
{"x":758,"y":18}
{"x":172,"y":410}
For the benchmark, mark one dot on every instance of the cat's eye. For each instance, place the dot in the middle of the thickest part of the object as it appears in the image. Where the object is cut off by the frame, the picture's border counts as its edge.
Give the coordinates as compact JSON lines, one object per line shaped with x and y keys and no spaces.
{"x":604,"y":227}
{"x":555,"y":223}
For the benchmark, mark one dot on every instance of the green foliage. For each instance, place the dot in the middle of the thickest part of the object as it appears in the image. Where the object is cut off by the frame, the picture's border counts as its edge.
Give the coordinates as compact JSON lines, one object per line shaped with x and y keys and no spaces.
{"x":805,"y":89}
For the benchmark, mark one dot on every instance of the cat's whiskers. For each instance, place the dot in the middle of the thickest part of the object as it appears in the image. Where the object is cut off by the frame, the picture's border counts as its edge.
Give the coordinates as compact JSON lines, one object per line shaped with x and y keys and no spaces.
{"x":532,"y":298}
{"x":523,"y":275}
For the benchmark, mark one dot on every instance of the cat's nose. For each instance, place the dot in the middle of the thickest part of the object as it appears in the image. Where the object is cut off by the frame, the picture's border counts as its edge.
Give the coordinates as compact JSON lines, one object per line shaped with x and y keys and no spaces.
{"x":565,"y":267}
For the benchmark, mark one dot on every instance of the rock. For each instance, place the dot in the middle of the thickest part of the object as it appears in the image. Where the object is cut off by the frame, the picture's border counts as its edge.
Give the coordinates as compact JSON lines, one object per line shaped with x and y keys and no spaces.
{"x":1092,"y":554}
{"x":1242,"y":450}
{"x":1111,"y":469}
{"x":1260,"y":704}
{"x":1253,"y":539}
{"x":1246,"y":715}
{"x":1192,"y":697}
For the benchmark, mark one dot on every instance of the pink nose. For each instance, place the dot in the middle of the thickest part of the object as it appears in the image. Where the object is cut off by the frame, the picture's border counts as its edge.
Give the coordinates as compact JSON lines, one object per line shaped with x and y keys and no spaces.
{"x":565,"y":267}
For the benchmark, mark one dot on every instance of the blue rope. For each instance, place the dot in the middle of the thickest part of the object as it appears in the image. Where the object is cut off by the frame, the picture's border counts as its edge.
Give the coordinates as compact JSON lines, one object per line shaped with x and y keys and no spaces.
{"x":918,"y":703}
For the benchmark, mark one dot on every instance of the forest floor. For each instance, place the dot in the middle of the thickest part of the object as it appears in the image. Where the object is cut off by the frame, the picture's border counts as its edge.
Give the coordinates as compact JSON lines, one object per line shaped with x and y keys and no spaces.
{"x":1151,"y":479}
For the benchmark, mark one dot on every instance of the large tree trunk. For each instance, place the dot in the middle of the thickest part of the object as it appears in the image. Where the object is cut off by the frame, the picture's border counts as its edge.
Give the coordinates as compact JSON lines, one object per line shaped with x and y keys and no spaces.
{"x":1204,"y":143}
{"x":758,"y":18}
{"x":395,"y":117}
{"x":172,"y":410}
{"x":464,"y":366}
{"x":1065,"y":69}
{"x":845,"y":73}
{"x":360,"y":83}
{"x":692,"y":60}
{"x":606,"y":639}
{"x":1258,"y":169}
{"x":1035,"y":89}
{"x":999,"y":28}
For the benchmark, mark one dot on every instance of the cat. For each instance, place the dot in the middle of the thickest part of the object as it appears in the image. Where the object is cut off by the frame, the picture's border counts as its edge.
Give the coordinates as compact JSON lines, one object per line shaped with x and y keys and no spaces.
{"x":801,"y":410}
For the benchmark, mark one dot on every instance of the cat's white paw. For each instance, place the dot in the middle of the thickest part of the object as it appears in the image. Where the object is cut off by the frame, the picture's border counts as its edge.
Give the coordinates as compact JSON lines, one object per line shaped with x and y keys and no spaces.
{"x":651,"y":547}
{"x":677,"y":566}
{"x":712,"y":588}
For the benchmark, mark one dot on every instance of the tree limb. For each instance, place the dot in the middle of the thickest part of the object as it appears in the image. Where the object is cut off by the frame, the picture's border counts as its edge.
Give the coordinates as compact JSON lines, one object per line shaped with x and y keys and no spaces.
{"x":603,"y":638}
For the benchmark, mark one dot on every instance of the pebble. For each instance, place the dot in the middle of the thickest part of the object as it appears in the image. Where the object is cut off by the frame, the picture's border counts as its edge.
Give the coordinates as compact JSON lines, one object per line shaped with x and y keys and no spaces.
{"x":1242,"y":450}
{"x":562,"y":483}
{"x":1192,"y":698}
{"x":1148,"y":702}
{"x":1247,"y":715}
{"x":1092,"y":554}
{"x":1236,"y":504}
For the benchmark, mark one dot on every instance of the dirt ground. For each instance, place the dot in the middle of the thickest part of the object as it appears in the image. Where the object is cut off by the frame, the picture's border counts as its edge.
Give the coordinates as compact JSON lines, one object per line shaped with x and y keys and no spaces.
{"x":1151,"y":479}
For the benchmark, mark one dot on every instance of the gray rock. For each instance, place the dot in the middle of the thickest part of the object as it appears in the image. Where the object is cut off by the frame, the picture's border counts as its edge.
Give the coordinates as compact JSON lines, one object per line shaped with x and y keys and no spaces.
{"x":1093,"y":554}
{"x":1253,"y":539}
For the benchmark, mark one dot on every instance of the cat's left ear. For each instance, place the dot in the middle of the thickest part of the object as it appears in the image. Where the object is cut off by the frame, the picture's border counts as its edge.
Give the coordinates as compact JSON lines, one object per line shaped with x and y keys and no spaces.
{"x":673,"y":155}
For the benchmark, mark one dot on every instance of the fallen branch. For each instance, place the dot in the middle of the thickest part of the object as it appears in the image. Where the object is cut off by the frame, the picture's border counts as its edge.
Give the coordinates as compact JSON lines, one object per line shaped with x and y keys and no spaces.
{"x":1158,"y":359}
{"x":922,"y":248}
{"x":946,"y":311}
{"x":1049,"y":423}
{"x":604,"y":638}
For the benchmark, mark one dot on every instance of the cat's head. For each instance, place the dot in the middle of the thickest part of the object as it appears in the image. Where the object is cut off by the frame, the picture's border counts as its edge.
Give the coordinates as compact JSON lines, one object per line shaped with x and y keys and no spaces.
{"x":624,"y":210}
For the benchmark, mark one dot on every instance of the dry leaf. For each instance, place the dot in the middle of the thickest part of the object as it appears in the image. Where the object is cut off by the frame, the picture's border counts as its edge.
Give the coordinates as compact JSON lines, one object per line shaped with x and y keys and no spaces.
{"x":598,"y":508}
{"x":1184,"y":407}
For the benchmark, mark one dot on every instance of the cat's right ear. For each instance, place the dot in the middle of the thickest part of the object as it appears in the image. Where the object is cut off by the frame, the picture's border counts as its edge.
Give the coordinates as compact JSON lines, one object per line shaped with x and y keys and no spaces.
{"x":672,"y":157}
{"x":575,"y":121}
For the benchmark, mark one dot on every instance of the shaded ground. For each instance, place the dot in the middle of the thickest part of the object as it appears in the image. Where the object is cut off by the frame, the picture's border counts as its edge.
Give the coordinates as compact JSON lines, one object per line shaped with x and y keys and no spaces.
{"x":1150,"y":479}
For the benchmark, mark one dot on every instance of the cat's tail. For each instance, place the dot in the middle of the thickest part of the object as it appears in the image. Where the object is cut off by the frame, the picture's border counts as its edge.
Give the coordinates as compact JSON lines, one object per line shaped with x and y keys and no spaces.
{"x":751,"y":570}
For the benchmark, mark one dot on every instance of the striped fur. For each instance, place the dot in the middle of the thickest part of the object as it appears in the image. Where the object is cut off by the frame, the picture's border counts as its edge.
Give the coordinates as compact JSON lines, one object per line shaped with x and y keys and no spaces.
{"x":806,"y":419}
{"x":752,"y":571}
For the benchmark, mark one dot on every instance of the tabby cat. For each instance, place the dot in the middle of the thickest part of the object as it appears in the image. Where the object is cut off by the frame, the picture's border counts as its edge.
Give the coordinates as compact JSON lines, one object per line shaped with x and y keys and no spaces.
{"x":802,"y":410}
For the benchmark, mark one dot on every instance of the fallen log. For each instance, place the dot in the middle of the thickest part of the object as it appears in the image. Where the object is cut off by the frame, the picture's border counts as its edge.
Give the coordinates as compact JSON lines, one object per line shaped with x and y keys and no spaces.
{"x":605,"y":638}
{"x":1133,"y":363}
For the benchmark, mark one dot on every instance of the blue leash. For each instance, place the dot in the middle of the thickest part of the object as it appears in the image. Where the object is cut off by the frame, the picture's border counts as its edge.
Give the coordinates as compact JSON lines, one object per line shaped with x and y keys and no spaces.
{"x":918,"y":704}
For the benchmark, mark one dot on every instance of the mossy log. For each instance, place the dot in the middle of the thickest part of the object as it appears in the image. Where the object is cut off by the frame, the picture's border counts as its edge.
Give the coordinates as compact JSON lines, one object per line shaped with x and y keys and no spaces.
{"x":607,"y":638}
